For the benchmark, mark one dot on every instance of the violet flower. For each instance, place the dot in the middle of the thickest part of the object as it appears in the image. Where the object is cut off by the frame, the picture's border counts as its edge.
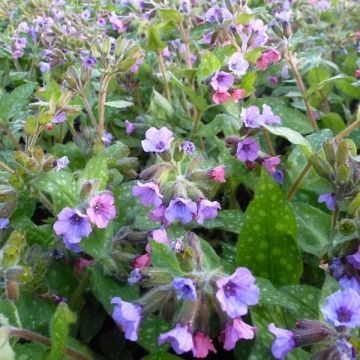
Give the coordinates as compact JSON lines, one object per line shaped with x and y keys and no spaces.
{"x":247,"y":150}
{"x":44,"y":67}
{"x":157,"y":140}
{"x":179,"y":337}
{"x":236,"y":292}
{"x":89,"y":62}
{"x":251,"y":117}
{"x":134,"y":277}
{"x":222,"y":81}
{"x":342,"y":308}
{"x":268,"y":117}
{"x":148,"y":193}
{"x":59,"y":118}
{"x":127,"y":316}
{"x":20,"y":43}
{"x":207,"y":210}
{"x":238,"y":65}
{"x":202,"y":346}
{"x":187,"y":147}
{"x":106,"y":138}
{"x":16,"y":54}
{"x":235,"y":331}
{"x":283,"y":343}
{"x":185,"y":289}
{"x":181,"y":209}
{"x":4,"y":223}
{"x":129,"y":127}
{"x":329,"y":199}
{"x":354,"y":259}
{"x":72,"y":225}
{"x":61,"y":163}
{"x":101,"y":209}
{"x":271,"y":163}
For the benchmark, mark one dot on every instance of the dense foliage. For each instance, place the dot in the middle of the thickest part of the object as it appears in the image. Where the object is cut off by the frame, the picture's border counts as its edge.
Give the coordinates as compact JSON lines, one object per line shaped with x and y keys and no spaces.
{"x":179,"y":179}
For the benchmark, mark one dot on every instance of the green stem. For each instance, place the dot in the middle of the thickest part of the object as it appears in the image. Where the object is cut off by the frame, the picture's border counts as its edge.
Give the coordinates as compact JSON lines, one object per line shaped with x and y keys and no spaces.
{"x":335,"y":216}
{"x":74,"y":302}
{"x":104,"y":84}
{"x":298,"y":180}
{"x":89,"y":111}
{"x":269,"y":143}
{"x":163,"y":73}
{"x":347,"y":130}
{"x":6,"y":168}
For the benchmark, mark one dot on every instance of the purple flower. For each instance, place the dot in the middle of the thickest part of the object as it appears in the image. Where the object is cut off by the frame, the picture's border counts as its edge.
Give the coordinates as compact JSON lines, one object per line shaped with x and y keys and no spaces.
{"x":89,"y":62}
{"x":345,"y":350}
{"x":44,"y":67}
{"x":180,"y":338}
{"x":337,"y":268}
{"x":237,"y":64}
{"x":20,"y":43}
{"x":72,"y":225}
{"x":116,"y":23}
{"x":59,"y":118}
{"x":207,"y":210}
{"x":101,"y":22}
{"x":218,"y":14}
{"x":128,"y":317}
{"x":185,"y":289}
{"x":268,"y":116}
{"x":236,"y":292}
{"x":16,"y":54}
{"x":86,"y":14}
{"x":329,"y":199}
{"x":270,"y":164}
{"x":61,"y":163}
{"x":4,"y":223}
{"x":349,"y":282}
{"x":222,"y":81}
{"x":354,"y":259}
{"x":135,"y":276}
{"x":23,"y":27}
{"x":157,"y":140}
{"x":129,"y":127}
{"x":158,"y":214}
{"x":159,"y":236}
{"x":247,"y":150}
{"x":148,"y":193}
{"x":235,"y":331}
{"x":251,"y":117}
{"x":106,"y":138}
{"x":101,"y":209}
{"x":273,"y":80}
{"x":278,"y":176}
{"x":323,"y":5}
{"x":187,"y":147}
{"x":181,"y":209}
{"x":283,"y":343}
{"x":342,"y":308}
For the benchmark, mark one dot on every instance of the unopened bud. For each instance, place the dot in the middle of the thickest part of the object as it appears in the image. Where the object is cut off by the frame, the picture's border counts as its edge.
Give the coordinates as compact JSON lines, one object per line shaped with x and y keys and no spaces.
{"x":330,"y":151}
{"x":343,"y":152}
{"x":347,"y":226}
{"x":155,"y":277}
{"x":30,"y":126}
{"x":308,"y":332}
{"x":321,"y":166}
{"x":7,"y":193}
{"x":106,"y":46}
{"x":354,"y":205}
{"x":12,"y":290}
{"x":344,"y":174}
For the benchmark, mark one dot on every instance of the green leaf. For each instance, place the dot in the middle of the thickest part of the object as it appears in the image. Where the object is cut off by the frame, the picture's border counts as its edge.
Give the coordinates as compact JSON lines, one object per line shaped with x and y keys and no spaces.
{"x":333,"y":121}
{"x":248,"y":82}
{"x":12,"y":103}
{"x":119,"y":104}
{"x":161,"y":356}
{"x":164,"y":258}
{"x":154,"y":39}
{"x":7,"y":353}
{"x":59,"y":331}
{"x":171,"y":15}
{"x":96,"y":169}
{"x":209,"y":64}
{"x":30,"y":351}
{"x":267,"y":244}
{"x":159,"y":102}
{"x":228,"y":220}
{"x":314,"y":228}
{"x":243,"y":18}
{"x":98,"y":243}
{"x":209,"y":259}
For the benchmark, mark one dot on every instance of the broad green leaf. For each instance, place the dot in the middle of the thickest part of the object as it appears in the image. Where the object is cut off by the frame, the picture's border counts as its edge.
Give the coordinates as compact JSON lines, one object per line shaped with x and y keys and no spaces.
{"x":228,"y":220}
{"x":119,"y":104}
{"x":222,"y":122}
{"x":171,"y":15}
{"x":291,"y":135}
{"x":164,"y":258}
{"x":209,"y":64}
{"x":248,"y":82}
{"x":333,"y":121}
{"x":209,"y":259}
{"x":98,"y":243}
{"x":160,"y":103}
{"x":314,"y":228}
{"x":12,"y":103}
{"x":338,"y":79}
{"x":96,"y":169}
{"x":154,"y":40}
{"x":267,"y":244}
{"x":30,"y":351}
{"x":61,"y":186}
{"x":105,"y":288}
{"x":161,"y":356}
{"x":243,"y":18}
{"x":59,"y":331}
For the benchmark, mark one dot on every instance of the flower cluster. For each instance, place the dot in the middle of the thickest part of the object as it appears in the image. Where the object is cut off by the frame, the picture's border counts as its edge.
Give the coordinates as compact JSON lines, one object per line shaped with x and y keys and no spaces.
{"x":177,"y":188}
{"x":73,"y":224}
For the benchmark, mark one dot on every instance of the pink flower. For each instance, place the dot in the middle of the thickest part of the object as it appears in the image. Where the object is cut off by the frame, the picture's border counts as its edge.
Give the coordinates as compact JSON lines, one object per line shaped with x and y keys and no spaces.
{"x":220,"y":97}
{"x":236,"y":331}
{"x":238,"y":94}
{"x":202,"y":345}
{"x":270,"y":164}
{"x":218,"y":173}
{"x":101,"y":210}
{"x":82,"y":264}
{"x":142,"y":261}
{"x":270,"y":57}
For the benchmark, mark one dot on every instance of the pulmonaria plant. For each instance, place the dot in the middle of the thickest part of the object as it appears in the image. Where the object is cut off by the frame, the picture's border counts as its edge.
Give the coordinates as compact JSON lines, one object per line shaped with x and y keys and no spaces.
{"x":176,"y":187}
{"x":192,"y":299}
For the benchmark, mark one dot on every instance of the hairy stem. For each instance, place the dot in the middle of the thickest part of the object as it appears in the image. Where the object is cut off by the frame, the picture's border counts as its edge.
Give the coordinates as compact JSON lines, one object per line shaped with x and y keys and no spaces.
{"x":269,"y":143}
{"x":163,"y":73}
{"x":6,"y":168}
{"x":295,"y":186}
{"x":104,"y":84}
{"x":89,"y":111}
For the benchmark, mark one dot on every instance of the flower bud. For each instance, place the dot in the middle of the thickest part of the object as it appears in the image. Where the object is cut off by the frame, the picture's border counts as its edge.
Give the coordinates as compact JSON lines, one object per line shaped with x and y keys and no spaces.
{"x":30,"y":126}
{"x":354,"y":205}
{"x":347,"y":226}
{"x":321,"y":166}
{"x":330,"y":151}
{"x":344,"y":174}
{"x":106,"y":46}
{"x":343,"y":152}
{"x":12,"y":290}
{"x":310,"y":331}
{"x":155,"y":277}
{"x":44,"y":118}
{"x":7,"y":193}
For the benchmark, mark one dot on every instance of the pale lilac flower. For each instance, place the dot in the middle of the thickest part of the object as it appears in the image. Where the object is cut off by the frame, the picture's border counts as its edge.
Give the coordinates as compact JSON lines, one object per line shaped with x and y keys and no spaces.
{"x":207,"y":210}
{"x":58,"y":14}
{"x":187,"y":147}
{"x":354,"y":259}
{"x":329,"y":199}
{"x":129,"y":127}
{"x":181,"y":209}
{"x":236,"y":292}
{"x":268,"y":117}
{"x":342,"y":308}
{"x":101,"y":22}
{"x":61,"y":163}
{"x":349,"y":282}
{"x":106,"y":138}
{"x":345,"y":350}
{"x":23,"y":27}
{"x":89,"y":62}
{"x":235,"y":331}
{"x":148,"y":193}
{"x":218,"y":14}
{"x":4,"y":223}
{"x":86,"y":14}
{"x":157,"y":140}
{"x":202,"y":345}
{"x":238,"y":65}
{"x":270,"y":164}
{"x":247,"y":150}
{"x":185,"y":289}
{"x":72,"y":225}
{"x":101,"y":209}
{"x":59,"y":118}
{"x":158,"y":214}
{"x":179,"y":337}
{"x":323,"y":5}
{"x":116,"y":23}
{"x":159,"y":236}
{"x":128,"y":317}
{"x":135,"y":277}
{"x":251,"y":117}
{"x":283,"y":343}
{"x":222,"y":81}
{"x":44,"y":67}
{"x":20,"y":43}
{"x":16,"y":54}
